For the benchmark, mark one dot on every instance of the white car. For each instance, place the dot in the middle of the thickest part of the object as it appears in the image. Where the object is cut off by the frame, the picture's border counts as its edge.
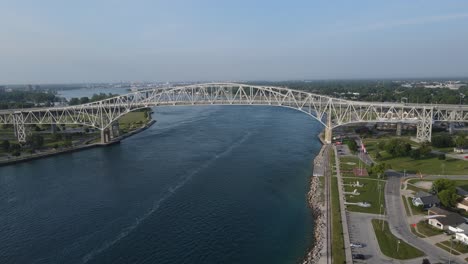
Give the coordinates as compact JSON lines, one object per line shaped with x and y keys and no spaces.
{"x":356,"y":245}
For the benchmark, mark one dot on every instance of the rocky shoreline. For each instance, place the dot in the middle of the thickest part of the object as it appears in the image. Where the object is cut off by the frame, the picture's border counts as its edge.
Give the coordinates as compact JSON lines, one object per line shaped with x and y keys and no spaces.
{"x":315,"y":203}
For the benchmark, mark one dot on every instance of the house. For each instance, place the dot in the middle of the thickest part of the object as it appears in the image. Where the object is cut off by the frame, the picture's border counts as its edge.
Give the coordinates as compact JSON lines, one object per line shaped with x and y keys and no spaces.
{"x":461,"y":233}
{"x":444,"y":220}
{"x":463,"y":204}
{"x":426,"y":200}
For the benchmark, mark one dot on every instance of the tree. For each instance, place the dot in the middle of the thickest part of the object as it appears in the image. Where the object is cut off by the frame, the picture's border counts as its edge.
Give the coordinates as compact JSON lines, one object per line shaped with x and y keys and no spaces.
{"x":425,"y":149}
{"x":415,"y":154}
{"x":448,"y":198}
{"x":6,"y":145}
{"x":352,"y":145}
{"x":74,"y":101}
{"x":36,"y":141}
{"x":426,"y":261}
{"x":381,"y":145}
{"x":442,"y":141}
{"x":443,"y":184}
{"x":460,"y":141}
{"x":84,"y":100}
{"x":441,"y":156}
{"x":378,"y":156}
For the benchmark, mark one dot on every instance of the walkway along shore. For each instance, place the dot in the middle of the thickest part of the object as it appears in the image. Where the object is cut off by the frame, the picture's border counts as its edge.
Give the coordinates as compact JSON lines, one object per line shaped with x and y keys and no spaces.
{"x":317,"y":205}
{"x":76,"y":148}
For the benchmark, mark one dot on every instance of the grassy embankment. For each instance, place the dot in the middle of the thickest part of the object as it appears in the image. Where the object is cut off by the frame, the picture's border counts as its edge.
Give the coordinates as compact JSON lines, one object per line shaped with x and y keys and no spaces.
{"x":338,"y":252}
{"x":388,"y":243}
{"x":407,"y":210}
{"x":431,"y":165}
{"x":133,"y":120}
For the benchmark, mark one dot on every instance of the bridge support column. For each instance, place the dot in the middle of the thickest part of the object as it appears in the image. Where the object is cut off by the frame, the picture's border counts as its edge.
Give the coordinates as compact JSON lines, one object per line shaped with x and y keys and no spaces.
{"x":53,"y":128}
{"x":105,"y":136}
{"x":398,"y":129}
{"x":115,"y":130}
{"x":451,"y":128}
{"x":328,"y":135}
{"x":424,"y":126}
{"x":19,"y":127}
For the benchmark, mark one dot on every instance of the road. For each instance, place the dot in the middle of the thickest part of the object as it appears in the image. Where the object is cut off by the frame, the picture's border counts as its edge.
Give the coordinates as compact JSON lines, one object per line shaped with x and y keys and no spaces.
{"x":400,"y":227}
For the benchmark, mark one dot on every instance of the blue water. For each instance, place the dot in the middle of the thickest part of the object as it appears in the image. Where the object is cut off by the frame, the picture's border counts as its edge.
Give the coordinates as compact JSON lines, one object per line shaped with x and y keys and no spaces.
{"x":208,"y":184}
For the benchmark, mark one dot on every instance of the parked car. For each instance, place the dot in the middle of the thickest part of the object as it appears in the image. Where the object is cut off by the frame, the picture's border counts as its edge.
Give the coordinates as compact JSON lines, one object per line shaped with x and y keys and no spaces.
{"x":358,"y":256}
{"x":356,"y":245}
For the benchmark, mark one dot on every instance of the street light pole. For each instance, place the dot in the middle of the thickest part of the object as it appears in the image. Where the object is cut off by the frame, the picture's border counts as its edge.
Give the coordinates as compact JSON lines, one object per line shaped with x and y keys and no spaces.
{"x":398,"y":245}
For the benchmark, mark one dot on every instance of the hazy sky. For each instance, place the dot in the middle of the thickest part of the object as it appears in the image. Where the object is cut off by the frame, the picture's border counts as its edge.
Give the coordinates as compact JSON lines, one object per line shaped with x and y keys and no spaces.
{"x":87,"y":41}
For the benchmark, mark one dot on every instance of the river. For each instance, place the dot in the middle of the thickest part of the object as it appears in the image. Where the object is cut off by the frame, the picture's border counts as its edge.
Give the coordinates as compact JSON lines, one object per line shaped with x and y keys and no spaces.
{"x":206,"y":184}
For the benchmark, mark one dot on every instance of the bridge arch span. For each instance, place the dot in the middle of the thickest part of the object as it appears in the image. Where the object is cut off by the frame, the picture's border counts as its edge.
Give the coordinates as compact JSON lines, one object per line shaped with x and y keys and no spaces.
{"x":329,"y":111}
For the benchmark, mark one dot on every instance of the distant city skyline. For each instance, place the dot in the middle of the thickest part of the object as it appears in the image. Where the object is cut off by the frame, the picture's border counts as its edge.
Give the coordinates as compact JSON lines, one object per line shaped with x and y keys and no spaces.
{"x":46,"y":42}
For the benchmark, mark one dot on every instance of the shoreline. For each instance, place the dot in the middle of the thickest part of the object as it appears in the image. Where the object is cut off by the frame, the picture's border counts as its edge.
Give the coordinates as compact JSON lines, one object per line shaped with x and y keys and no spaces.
{"x":315,"y":203}
{"x":77,"y":148}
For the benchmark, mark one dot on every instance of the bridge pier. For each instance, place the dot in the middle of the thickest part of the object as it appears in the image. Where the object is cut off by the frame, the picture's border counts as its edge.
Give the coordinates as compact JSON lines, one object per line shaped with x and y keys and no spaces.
{"x":328,"y":135}
{"x":424,"y":126}
{"x":451,"y":128}
{"x":398,"y":129}
{"x":109,"y":133}
{"x":19,"y":127}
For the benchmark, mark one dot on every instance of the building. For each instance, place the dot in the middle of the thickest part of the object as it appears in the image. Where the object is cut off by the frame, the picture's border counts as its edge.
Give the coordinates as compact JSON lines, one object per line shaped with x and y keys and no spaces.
{"x":443,"y":219}
{"x":461,"y":233}
{"x":426,"y":200}
{"x":463,"y":204}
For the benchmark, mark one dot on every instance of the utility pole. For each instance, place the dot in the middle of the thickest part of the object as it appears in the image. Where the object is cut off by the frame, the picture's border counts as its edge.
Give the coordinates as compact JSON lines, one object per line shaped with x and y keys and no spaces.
{"x":398,"y":245}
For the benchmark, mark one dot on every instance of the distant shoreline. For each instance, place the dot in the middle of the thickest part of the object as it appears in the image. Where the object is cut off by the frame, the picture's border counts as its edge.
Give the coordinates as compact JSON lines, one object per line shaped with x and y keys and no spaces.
{"x":76,"y":148}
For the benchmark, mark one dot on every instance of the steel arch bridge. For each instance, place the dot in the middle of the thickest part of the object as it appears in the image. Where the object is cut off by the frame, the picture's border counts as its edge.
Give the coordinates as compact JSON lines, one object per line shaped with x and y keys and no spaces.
{"x":330,"y":112}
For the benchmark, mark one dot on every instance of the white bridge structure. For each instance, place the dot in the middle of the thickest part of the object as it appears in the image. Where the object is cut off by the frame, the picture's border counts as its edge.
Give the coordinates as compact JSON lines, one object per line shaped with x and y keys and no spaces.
{"x":330,"y":112}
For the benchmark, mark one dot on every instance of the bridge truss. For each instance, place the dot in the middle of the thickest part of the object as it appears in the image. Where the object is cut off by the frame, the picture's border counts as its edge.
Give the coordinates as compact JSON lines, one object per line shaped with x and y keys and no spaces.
{"x":330,"y":112}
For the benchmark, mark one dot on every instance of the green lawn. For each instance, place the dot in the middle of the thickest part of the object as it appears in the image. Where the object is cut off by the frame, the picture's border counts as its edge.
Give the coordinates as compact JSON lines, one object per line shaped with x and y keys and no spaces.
{"x":431,"y":166}
{"x":368,"y":193}
{"x":447,"y":248}
{"x":388,"y":243}
{"x":428,"y":230}
{"x":413,"y":230}
{"x":408,"y":213}
{"x":132,"y":120}
{"x":338,"y":252}
{"x":458,"y":246}
{"x":459,"y":183}
{"x":415,"y":189}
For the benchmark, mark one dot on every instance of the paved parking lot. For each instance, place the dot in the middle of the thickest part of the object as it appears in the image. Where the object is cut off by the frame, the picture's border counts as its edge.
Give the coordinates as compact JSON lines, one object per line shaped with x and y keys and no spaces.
{"x":343,"y":150}
{"x":361,"y":231}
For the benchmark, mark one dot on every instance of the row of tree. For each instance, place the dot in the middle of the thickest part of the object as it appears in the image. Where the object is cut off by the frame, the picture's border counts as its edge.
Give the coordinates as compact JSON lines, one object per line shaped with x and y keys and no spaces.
{"x":399,"y":148}
{"x":26,"y":99}
{"x":378,"y":91}
{"x":94,"y":98}
{"x":447,"y":140}
{"x":446,"y":192}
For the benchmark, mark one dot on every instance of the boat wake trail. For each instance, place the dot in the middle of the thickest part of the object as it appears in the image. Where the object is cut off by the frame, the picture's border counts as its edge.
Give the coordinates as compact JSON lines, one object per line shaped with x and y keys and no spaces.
{"x":157,"y":204}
